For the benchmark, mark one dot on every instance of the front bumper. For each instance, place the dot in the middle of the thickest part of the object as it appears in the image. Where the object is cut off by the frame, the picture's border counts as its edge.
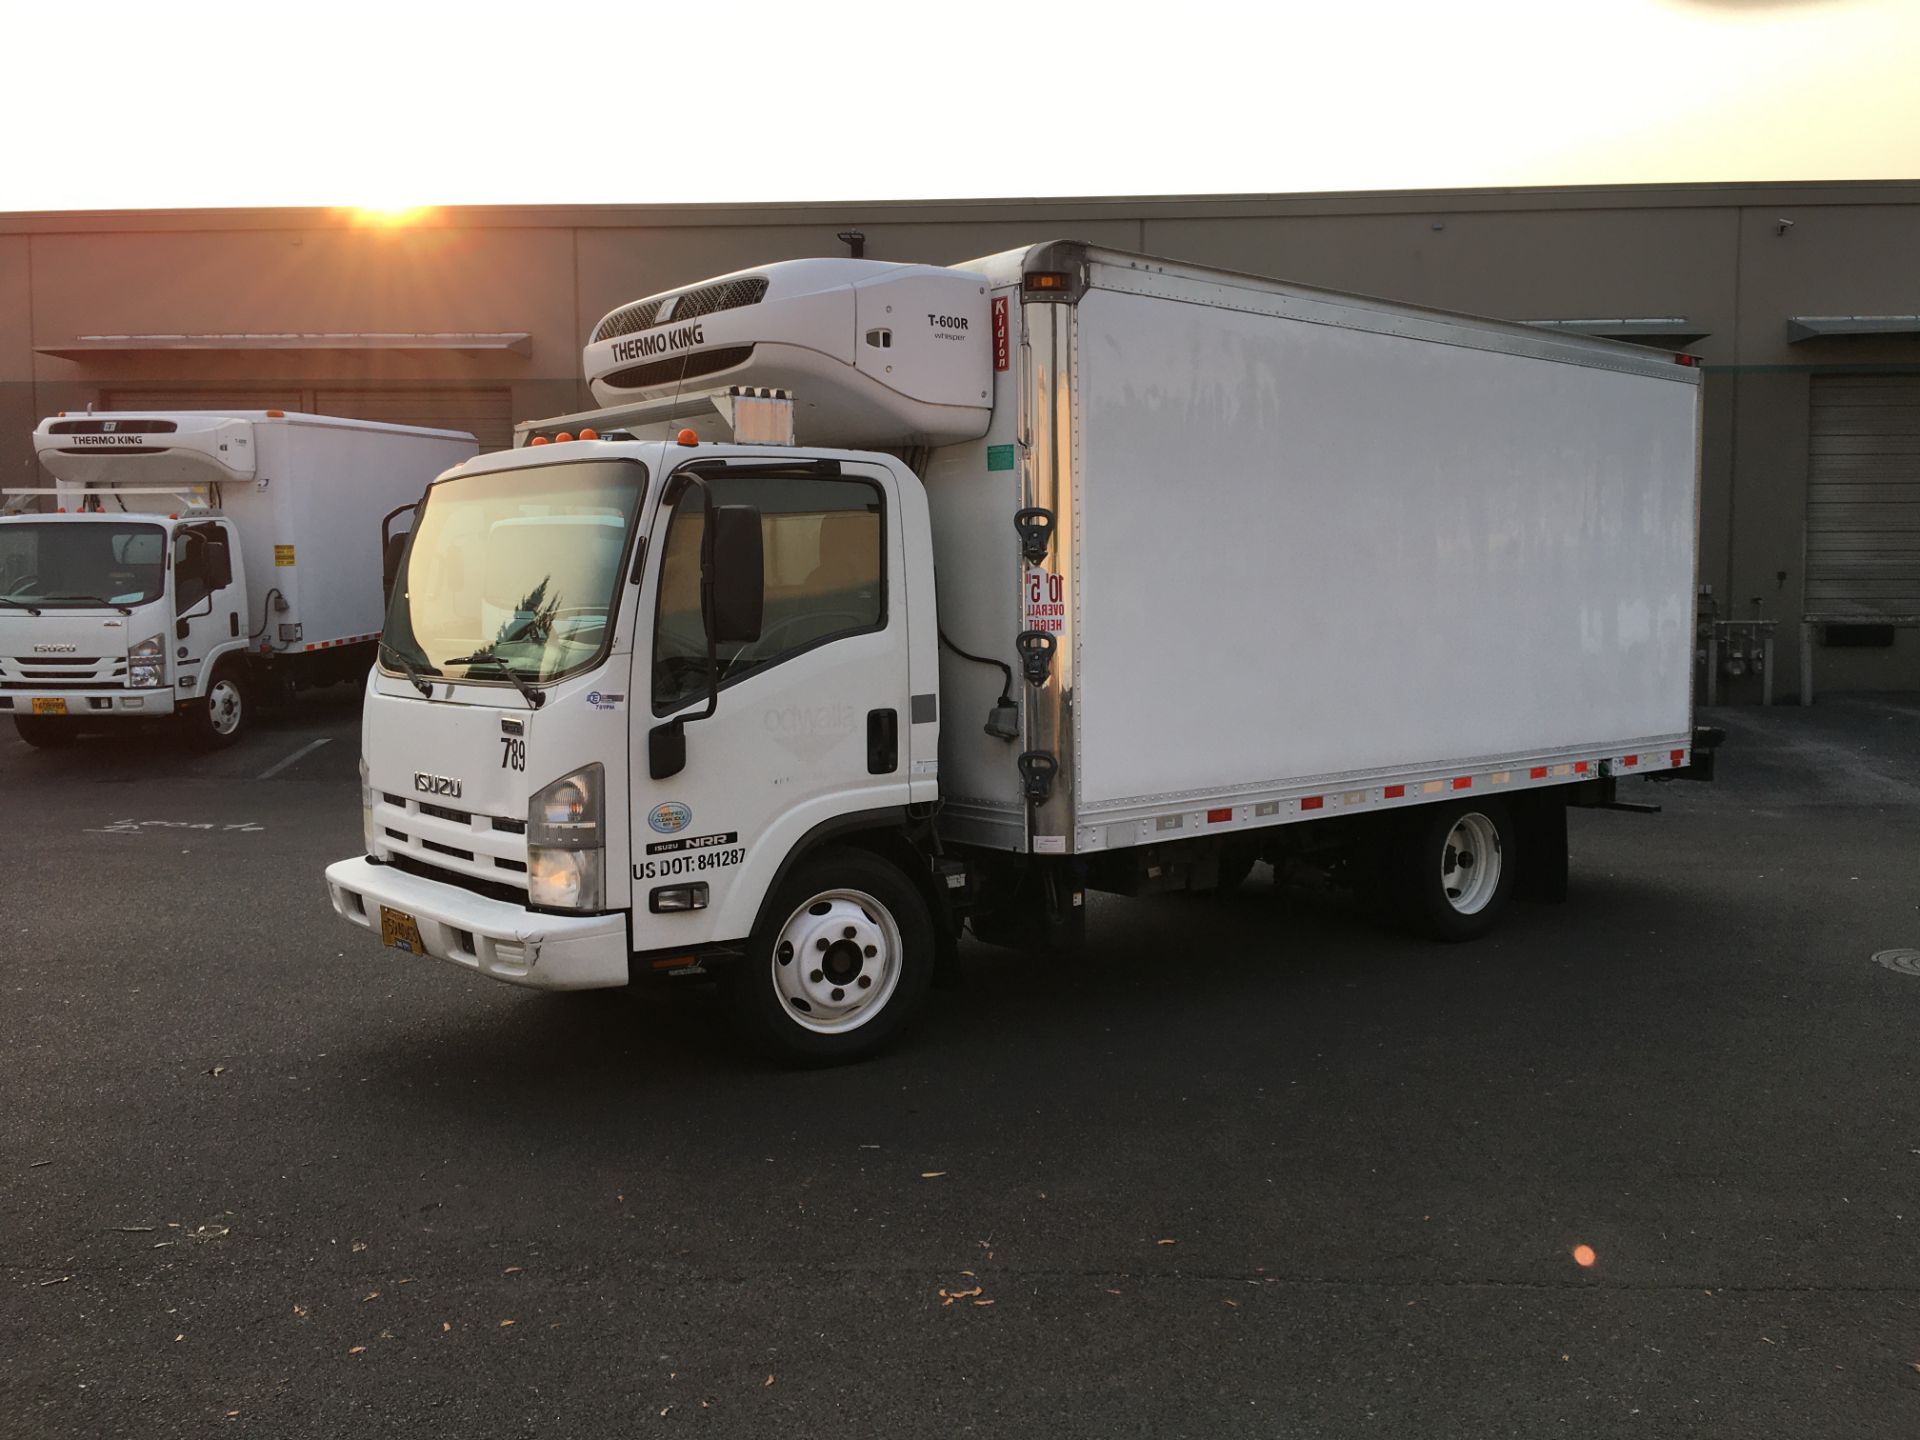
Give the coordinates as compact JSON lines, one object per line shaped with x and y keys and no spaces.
{"x":492,"y":937}
{"x":92,"y":704}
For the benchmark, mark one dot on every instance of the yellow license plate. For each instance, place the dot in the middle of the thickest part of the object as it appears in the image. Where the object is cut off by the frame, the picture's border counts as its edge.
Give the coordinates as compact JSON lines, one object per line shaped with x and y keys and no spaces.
{"x":43,"y":705}
{"x":400,"y":930}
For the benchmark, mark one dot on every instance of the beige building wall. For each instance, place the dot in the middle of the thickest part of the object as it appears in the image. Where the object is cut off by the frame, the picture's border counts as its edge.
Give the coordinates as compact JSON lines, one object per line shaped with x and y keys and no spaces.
{"x":1734,"y":261}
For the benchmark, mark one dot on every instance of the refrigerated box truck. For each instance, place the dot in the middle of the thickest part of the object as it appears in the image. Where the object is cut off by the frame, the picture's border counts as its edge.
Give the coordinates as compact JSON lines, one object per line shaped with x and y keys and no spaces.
{"x":1141,"y":573}
{"x":194,"y":562}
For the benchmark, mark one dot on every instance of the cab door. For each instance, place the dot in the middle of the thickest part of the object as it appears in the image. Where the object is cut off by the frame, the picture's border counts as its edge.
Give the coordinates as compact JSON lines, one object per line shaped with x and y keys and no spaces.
{"x":810,"y":726}
{"x":205,"y":601}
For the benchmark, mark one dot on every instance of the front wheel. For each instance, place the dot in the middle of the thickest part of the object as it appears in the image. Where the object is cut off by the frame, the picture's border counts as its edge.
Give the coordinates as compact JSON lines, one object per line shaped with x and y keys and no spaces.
{"x":840,"y":961}
{"x":221,"y":717}
{"x":1455,"y":868}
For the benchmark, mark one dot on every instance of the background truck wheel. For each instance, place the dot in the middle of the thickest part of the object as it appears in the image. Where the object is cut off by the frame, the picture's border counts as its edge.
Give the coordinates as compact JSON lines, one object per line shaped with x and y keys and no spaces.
{"x":43,"y":733}
{"x":221,"y":717}
{"x":840,"y":960}
{"x":1454,"y":868}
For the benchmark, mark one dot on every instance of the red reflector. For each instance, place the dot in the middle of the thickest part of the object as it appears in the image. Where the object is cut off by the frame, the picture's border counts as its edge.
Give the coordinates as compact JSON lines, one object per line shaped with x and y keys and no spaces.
{"x":1214,"y":817}
{"x":1679,"y":757}
{"x":1538,"y":772}
{"x":1579,"y":767}
{"x":1313,"y":802}
{"x":1630,"y":759}
{"x":1463,"y":782}
{"x":1684,"y":359}
{"x":1394,"y":792}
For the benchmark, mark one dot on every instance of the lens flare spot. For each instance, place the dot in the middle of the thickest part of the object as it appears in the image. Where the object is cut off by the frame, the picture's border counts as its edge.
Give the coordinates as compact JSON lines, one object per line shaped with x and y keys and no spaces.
{"x":1583,"y":1256}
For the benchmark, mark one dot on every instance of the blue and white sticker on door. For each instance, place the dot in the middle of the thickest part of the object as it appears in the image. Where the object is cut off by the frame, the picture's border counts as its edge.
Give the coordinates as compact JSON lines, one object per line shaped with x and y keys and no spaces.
{"x":600,"y":700}
{"x":670,"y":817}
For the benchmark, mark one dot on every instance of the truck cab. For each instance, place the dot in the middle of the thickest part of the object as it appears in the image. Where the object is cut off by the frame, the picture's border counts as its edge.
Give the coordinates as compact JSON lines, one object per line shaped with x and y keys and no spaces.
{"x":118,"y":613}
{"x":622,"y":685}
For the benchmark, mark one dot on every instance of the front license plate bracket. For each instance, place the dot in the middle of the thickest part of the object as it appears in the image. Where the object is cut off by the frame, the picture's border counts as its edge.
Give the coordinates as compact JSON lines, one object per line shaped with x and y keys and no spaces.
{"x":400,"y":931}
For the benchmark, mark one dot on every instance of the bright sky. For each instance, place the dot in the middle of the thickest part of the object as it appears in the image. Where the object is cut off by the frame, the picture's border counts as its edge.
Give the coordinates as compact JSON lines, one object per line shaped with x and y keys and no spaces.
{"x":411,"y":102}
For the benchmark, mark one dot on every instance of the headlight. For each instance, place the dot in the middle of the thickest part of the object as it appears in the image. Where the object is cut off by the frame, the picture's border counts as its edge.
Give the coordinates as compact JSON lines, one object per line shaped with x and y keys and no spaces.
{"x":367,"y":828}
{"x":565,"y":879}
{"x":566,"y":841}
{"x":147,"y":663}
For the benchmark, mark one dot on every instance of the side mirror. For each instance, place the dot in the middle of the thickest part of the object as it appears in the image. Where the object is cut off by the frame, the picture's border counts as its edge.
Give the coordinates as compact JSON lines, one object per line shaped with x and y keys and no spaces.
{"x":734,"y":575}
{"x":391,"y":554}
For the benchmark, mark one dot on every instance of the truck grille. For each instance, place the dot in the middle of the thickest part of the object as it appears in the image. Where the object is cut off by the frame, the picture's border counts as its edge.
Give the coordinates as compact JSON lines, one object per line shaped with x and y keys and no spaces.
{"x":679,"y":368}
{"x":485,"y":853}
{"x":702,"y":300}
{"x":62,"y":672}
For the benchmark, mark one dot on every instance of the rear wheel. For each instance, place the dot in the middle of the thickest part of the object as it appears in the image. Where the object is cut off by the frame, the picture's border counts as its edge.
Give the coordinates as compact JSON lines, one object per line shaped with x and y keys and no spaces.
{"x":840,"y":961}
{"x":222,"y":715}
{"x":45,"y":733}
{"x":1455,"y":867}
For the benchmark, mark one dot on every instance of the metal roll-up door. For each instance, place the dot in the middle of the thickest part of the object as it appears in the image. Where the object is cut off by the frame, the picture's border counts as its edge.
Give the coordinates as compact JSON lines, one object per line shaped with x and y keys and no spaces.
{"x":487,"y":414}
{"x":1863,"y":497}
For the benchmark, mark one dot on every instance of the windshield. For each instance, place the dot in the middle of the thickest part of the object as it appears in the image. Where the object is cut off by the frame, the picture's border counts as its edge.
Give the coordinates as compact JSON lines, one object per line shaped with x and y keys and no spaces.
{"x":71,"y":564}
{"x":515,"y":572}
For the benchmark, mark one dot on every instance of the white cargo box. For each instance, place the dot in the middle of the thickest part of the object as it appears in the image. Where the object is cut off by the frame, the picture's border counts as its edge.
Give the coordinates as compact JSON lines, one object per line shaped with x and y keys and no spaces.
{"x":1309,"y":552}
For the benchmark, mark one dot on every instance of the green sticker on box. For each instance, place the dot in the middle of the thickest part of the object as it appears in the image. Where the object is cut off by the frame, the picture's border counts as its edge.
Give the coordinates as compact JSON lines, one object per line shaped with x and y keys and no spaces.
{"x":999,"y":457}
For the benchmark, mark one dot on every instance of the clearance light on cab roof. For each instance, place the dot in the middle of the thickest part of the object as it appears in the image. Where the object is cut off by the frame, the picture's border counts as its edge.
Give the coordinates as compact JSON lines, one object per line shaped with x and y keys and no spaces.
{"x":1047,"y":280}
{"x":538,"y":440}
{"x":688,"y":437}
{"x":589,"y":433}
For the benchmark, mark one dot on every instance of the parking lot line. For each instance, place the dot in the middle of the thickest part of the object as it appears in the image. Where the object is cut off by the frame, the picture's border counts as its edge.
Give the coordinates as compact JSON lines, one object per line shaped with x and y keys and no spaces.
{"x":304,"y":750}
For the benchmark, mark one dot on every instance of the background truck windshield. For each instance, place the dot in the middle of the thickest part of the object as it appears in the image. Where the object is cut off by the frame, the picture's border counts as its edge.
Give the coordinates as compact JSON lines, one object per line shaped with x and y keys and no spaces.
{"x":74,"y":563}
{"x":515,"y":571}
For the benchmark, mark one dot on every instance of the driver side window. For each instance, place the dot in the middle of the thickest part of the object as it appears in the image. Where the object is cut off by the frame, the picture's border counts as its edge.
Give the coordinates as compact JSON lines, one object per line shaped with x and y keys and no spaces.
{"x":823,"y":546}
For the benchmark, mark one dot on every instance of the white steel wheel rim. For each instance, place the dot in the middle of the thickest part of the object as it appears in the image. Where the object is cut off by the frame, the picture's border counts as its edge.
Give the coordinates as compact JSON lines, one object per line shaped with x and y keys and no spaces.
{"x":828,"y":947}
{"x":1470,"y":864}
{"x":223,"y":707}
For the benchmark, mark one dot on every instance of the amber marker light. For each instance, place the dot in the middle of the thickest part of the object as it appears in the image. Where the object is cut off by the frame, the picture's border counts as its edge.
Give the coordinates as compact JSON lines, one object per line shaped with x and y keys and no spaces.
{"x":689,"y":437}
{"x":1584,"y":1257}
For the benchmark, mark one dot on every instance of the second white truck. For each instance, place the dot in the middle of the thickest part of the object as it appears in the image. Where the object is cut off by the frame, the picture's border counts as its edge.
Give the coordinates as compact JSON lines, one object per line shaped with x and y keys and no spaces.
{"x":1142,"y":573}
{"x":194,"y":562}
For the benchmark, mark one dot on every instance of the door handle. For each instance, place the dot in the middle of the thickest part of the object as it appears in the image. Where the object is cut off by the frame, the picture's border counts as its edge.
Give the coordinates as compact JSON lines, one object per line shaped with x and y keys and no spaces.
{"x":883,"y":742}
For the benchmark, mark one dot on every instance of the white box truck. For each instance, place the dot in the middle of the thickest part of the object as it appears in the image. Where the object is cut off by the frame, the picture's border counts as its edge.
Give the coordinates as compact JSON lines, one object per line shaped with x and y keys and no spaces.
{"x":194,"y":562}
{"x":1142,"y":573}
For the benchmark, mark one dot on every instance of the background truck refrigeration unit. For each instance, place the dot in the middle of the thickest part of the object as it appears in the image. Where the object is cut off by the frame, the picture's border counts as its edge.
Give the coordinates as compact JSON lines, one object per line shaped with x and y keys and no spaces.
{"x":1223,"y":568}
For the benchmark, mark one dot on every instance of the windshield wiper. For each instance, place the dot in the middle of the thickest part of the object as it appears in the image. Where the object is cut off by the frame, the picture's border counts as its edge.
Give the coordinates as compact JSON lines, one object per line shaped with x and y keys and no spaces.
{"x":93,"y":600}
{"x":486,"y":656}
{"x":19,"y":604}
{"x":411,"y":670}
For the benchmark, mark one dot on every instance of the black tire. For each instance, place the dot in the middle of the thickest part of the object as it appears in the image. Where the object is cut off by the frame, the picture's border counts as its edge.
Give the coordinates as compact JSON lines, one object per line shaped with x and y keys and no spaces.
{"x":1440,"y":860}
{"x":851,"y":911}
{"x":44,"y":732}
{"x":223,"y":714}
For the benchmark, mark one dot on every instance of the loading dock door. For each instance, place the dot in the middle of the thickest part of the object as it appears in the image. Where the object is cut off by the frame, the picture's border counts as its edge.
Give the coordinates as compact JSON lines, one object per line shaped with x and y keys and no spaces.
{"x":1863,"y":497}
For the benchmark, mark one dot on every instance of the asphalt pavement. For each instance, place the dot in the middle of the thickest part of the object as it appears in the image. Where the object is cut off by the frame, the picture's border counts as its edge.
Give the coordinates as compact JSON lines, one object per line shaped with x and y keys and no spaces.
{"x":1252,"y":1166}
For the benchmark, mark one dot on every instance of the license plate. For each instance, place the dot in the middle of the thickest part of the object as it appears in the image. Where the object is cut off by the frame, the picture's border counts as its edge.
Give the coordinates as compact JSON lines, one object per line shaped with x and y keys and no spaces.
{"x":43,"y":705}
{"x":400,"y":930}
